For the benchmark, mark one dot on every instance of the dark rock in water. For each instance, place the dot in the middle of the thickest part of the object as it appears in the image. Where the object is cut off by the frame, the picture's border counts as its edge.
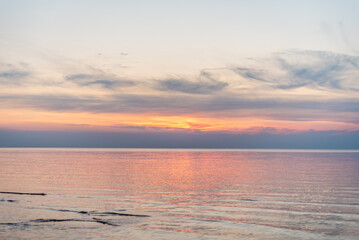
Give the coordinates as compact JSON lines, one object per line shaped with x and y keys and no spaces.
{"x":61,"y":210}
{"x":89,"y":213}
{"x":104,"y":222}
{"x":11,"y":224}
{"x":98,"y":220}
{"x":248,"y":200}
{"x":72,"y":211}
{"x":118,"y":214}
{"x":83,"y":212}
{"x":55,"y":220}
{"x":96,"y":213}
{"x":10,"y":200}
{"x":20,"y":193}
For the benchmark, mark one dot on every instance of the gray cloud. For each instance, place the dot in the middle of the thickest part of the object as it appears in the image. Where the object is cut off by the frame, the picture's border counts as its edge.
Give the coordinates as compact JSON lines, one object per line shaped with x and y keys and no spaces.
{"x":206,"y":83}
{"x":12,"y":74}
{"x":323,"y":70}
{"x":219,"y":106}
{"x":185,"y":86}
{"x":249,"y":73}
{"x":77,"y":77}
{"x":311,"y":69}
{"x":103,"y":81}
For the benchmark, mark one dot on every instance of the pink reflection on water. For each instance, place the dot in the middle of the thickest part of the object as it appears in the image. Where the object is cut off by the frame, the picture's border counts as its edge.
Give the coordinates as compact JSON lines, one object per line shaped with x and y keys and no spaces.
{"x":176,"y":172}
{"x":194,"y":192}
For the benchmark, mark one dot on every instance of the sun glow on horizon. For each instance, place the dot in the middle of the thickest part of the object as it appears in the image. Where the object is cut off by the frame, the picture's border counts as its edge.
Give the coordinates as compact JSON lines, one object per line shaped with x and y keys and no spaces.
{"x":27,"y":119}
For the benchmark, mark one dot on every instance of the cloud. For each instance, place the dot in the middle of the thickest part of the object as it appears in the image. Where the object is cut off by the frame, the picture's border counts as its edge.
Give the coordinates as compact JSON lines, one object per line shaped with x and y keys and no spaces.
{"x":345,"y":38}
{"x":14,"y":74}
{"x":267,"y":130}
{"x":264,"y":89}
{"x":319,"y":69}
{"x":248,"y":73}
{"x":77,"y":77}
{"x":206,"y":83}
{"x":11,"y":74}
{"x":203,"y":105}
{"x":311,"y":69}
{"x":185,"y":86}
{"x":101,"y":80}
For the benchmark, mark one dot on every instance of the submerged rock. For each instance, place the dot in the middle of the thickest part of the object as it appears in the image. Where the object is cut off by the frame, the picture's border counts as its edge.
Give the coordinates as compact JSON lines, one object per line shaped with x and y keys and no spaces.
{"x":21,"y":193}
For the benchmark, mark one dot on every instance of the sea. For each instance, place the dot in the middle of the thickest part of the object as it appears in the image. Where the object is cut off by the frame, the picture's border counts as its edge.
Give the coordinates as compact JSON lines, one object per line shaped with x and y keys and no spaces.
{"x":178,"y":194}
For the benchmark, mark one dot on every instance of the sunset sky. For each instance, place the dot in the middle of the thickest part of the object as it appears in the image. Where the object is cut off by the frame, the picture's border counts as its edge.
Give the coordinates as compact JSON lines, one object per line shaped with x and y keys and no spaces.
{"x":245,"y":74}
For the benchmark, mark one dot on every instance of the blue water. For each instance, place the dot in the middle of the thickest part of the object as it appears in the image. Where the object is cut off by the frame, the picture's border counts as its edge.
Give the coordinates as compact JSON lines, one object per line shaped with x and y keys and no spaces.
{"x":178,"y":194}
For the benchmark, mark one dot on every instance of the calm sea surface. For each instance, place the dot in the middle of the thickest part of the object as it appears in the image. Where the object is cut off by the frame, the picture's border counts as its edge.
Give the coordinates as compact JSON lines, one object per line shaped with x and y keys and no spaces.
{"x":177,"y":194}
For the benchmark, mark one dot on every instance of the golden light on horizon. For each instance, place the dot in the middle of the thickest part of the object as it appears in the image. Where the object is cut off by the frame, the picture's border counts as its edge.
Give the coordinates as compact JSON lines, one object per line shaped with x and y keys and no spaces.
{"x":28,"y":119}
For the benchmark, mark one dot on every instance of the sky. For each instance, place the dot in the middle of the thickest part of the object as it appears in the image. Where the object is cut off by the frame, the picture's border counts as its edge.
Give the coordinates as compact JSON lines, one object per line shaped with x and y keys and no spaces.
{"x":209,"y":74}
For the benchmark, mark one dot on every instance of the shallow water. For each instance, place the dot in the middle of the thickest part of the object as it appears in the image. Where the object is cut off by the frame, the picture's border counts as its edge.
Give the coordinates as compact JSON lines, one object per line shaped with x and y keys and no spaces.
{"x":167,"y":194}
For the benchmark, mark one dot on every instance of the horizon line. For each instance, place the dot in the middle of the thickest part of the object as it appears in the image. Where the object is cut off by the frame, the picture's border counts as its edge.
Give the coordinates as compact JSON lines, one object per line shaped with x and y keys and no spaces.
{"x":187,"y":149}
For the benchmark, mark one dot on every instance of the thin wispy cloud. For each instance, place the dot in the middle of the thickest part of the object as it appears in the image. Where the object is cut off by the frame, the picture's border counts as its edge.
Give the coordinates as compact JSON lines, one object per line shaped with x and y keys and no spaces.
{"x":108,"y":82}
{"x":197,"y":87}
{"x":12,"y":75}
{"x":205,"y":83}
{"x":310,"y":69}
